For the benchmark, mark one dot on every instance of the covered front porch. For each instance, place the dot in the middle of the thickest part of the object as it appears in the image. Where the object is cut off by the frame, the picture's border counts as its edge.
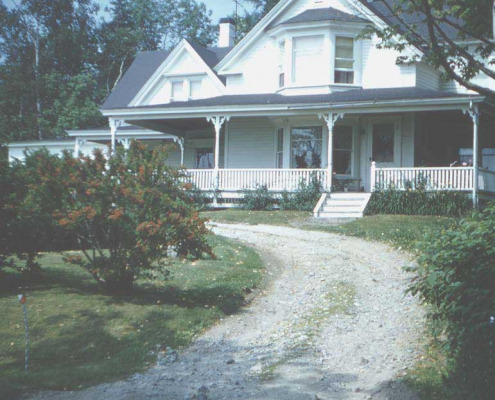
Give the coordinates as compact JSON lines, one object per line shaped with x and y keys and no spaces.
{"x":358,"y":146}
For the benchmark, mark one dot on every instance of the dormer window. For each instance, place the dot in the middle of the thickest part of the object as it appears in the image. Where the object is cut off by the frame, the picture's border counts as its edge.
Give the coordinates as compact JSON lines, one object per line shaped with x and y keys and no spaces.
{"x":177,"y":91}
{"x":344,"y":60}
{"x":308,"y":61}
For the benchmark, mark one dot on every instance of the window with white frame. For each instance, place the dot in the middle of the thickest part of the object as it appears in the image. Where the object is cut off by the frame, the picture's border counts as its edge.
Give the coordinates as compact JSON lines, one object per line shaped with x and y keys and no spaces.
{"x":308,"y":61}
{"x":306,"y":147}
{"x":195,"y":88}
{"x":279,"y":157}
{"x":344,"y":60}
{"x":281,"y":64}
{"x":177,"y":91}
{"x":342,"y":149}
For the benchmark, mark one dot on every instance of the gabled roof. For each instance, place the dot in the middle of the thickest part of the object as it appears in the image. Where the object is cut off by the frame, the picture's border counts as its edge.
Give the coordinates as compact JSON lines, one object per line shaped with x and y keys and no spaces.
{"x":323,"y":14}
{"x":138,"y":73}
{"x":146,"y":64}
{"x":348,"y":96}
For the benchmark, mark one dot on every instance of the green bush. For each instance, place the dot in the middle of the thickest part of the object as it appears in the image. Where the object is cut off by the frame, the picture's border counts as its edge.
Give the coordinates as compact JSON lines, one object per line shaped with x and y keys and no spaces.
{"x":127,"y":211}
{"x":456,"y":276}
{"x":304,"y":199}
{"x":419,"y":202}
{"x":258,"y":200}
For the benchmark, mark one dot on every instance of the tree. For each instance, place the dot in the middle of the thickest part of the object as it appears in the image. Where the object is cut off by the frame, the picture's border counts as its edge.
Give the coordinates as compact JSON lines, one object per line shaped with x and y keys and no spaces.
{"x":127,"y":213}
{"x":247,"y":21}
{"x":147,"y":25}
{"x":453,"y":35}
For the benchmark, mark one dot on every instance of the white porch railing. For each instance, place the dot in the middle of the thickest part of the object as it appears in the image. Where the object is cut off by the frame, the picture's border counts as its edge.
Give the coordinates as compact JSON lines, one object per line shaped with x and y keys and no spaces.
{"x":430,"y":179}
{"x":486,"y":180}
{"x":276,"y":180}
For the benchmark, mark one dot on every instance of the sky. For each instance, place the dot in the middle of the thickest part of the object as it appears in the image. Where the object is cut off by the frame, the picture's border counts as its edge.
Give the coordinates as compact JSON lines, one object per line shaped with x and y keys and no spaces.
{"x":220,"y":8}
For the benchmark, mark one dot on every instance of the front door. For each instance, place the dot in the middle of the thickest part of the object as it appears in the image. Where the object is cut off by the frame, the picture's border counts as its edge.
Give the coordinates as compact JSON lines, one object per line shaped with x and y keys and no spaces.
{"x":384,"y":144}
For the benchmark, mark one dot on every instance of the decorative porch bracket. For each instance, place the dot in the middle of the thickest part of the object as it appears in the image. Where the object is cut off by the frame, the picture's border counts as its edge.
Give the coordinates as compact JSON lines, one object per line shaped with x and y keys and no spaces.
{"x":474,"y":113}
{"x":180,"y":142}
{"x":217,"y":122}
{"x":114,"y":125}
{"x":126,"y":142}
{"x":330,"y":119}
{"x":77,"y":146}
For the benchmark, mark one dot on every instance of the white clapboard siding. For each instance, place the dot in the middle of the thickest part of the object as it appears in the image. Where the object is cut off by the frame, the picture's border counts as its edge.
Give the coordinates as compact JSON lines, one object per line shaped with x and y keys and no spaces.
{"x":251,"y":143}
{"x":427,"y":77}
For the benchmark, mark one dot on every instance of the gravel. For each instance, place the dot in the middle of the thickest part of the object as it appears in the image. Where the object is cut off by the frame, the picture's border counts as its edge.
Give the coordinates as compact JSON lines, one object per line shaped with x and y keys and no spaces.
{"x":332,"y":322}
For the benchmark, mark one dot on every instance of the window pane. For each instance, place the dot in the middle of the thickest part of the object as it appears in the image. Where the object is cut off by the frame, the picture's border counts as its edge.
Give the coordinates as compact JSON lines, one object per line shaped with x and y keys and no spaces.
{"x":342,"y":162}
{"x":204,"y":158}
{"x":342,"y":137}
{"x":306,"y":147}
{"x":344,"y":77}
{"x":345,"y":41}
{"x":195,"y":89}
{"x":344,"y":52}
{"x":280,"y":139}
{"x":344,"y":64}
{"x":383,"y":143}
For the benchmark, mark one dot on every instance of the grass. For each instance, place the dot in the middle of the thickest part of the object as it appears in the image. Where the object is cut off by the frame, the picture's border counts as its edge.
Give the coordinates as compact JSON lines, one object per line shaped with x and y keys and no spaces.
{"x":278,"y":218}
{"x":397,"y":230}
{"x":81,"y":337}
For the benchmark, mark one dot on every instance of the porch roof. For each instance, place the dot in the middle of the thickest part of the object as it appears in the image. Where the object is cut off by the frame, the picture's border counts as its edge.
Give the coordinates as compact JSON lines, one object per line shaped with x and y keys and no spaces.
{"x":355,"y":98}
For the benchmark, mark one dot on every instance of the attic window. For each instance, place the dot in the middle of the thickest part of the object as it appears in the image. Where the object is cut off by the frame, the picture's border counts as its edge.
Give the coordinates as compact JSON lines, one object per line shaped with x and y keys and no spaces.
{"x":177,"y":91}
{"x":344,"y":60}
{"x":195,"y":89}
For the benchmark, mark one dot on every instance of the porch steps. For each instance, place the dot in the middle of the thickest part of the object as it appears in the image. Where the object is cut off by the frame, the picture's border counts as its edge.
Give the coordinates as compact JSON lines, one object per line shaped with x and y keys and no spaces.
{"x":342,"y":205}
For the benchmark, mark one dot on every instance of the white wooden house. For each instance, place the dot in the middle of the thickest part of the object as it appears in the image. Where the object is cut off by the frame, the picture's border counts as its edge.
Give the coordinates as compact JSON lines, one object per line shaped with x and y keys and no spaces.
{"x":301,"y":96}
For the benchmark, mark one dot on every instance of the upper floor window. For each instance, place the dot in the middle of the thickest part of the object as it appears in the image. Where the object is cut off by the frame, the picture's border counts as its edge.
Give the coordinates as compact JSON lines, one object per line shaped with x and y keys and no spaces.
{"x":344,"y":60}
{"x":177,"y":91}
{"x":308,"y":61}
{"x":195,"y":89}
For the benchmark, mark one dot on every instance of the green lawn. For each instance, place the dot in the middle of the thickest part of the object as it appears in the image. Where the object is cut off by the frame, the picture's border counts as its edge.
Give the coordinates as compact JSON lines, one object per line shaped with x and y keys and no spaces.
{"x":398,"y":230}
{"x":279,"y":218}
{"x":81,"y":337}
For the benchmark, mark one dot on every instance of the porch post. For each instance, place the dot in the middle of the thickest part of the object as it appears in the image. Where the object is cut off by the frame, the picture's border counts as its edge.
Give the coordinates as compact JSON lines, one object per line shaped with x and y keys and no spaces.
{"x":180,"y":142}
{"x":126,"y":142}
{"x":373,"y":176}
{"x":330,"y":120}
{"x":473,"y":112}
{"x":77,"y":146}
{"x":217,"y":122}
{"x":114,"y":125}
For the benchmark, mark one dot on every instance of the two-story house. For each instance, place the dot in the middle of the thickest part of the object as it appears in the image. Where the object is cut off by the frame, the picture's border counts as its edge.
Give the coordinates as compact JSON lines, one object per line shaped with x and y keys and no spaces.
{"x":302,"y":96}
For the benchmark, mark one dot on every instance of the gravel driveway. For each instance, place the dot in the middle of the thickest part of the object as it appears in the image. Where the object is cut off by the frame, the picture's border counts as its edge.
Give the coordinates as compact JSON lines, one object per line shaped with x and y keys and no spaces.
{"x":332,"y":323}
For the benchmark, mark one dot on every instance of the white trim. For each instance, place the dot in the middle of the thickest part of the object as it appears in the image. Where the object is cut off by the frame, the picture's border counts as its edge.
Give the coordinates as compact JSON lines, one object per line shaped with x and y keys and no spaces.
{"x":385,"y":106}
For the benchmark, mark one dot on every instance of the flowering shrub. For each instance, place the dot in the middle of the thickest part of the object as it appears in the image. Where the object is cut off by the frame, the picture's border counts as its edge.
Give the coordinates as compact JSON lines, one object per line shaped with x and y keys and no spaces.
{"x":127,"y":212}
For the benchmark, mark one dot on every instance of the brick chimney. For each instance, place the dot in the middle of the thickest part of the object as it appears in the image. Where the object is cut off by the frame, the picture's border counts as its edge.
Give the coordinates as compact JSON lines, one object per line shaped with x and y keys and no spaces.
{"x":226,"y":37}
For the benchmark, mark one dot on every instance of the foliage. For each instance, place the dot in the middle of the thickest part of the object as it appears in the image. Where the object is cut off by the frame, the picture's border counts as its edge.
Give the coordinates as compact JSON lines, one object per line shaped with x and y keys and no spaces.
{"x":81,"y":337}
{"x":419,"y":202}
{"x":259,"y":199}
{"x":453,"y":36}
{"x":304,"y":198}
{"x":246,"y":22}
{"x":27,"y":223}
{"x":456,"y":276}
{"x":126,"y":211}
{"x":59,"y":59}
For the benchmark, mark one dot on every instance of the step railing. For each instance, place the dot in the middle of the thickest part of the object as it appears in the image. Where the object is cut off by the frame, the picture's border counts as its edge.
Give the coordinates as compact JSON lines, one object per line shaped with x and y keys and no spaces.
{"x":276,"y":180}
{"x":429,"y":179}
